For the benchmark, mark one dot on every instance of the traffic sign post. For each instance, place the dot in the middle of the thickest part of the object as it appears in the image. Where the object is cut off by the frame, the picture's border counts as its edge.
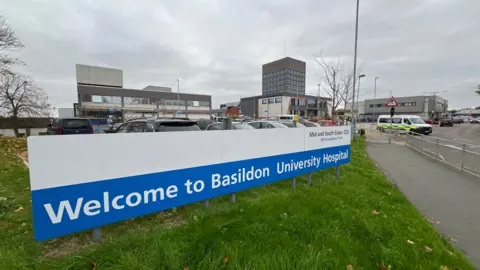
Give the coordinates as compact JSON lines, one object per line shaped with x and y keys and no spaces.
{"x":392,"y":103}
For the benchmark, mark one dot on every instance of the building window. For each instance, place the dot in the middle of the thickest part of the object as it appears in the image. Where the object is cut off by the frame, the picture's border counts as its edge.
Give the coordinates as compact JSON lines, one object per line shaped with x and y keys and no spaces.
{"x":371,"y":105}
{"x":136,"y":101}
{"x":278,"y":100}
{"x":107,"y":99}
{"x":271,"y":101}
{"x":264,"y":101}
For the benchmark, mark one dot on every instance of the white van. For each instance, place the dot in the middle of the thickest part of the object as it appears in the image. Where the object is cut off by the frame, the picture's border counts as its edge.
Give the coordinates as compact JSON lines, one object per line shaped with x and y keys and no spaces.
{"x":408,"y":123}
{"x":287,"y":117}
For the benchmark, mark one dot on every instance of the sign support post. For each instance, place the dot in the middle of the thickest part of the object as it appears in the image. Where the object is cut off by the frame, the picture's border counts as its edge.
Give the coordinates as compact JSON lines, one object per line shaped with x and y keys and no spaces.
{"x":392,"y":103}
{"x":227,"y":124}
{"x":294,"y":180}
{"x":96,"y":234}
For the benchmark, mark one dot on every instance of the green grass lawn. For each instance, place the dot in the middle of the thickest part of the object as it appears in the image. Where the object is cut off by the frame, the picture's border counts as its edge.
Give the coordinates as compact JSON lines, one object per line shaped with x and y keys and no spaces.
{"x":359,"y":221}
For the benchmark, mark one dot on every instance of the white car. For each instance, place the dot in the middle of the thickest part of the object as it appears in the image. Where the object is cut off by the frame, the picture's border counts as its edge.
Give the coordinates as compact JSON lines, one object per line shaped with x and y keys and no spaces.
{"x":266,"y":124}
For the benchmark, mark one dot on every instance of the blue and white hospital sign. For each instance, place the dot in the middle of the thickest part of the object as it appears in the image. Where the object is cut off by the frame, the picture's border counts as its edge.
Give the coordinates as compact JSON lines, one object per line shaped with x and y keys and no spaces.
{"x":80,"y":182}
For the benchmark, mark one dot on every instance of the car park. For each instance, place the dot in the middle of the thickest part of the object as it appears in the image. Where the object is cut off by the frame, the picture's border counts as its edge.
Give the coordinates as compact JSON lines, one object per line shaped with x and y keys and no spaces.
{"x":69,"y":126}
{"x":266,"y":124}
{"x":235,"y":125}
{"x":158,"y":125}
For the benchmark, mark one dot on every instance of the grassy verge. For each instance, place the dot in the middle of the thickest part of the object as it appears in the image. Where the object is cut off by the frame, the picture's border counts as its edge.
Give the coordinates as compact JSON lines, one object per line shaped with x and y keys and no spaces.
{"x":359,"y":221}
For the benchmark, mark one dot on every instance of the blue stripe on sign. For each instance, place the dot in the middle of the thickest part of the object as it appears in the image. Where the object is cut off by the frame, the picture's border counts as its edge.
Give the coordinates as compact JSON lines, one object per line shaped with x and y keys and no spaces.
{"x":62,"y":210}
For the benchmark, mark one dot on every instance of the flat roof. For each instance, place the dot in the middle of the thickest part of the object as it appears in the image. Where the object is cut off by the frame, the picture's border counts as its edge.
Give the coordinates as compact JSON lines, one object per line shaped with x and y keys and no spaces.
{"x":286,"y":95}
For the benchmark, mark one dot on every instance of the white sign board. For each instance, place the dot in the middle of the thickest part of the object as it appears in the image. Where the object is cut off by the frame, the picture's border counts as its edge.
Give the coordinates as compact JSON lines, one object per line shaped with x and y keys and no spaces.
{"x":85,"y":181}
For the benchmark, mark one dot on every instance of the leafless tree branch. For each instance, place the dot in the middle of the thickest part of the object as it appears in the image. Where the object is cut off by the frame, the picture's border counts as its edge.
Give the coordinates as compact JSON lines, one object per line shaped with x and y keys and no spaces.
{"x":21,"y":97}
{"x":337,"y":81}
{"x":8,"y":41}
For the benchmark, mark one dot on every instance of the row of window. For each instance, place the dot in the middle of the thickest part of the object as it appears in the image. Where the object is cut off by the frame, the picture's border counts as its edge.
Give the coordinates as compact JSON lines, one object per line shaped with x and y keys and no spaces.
{"x":284,"y":82}
{"x":284,"y":87}
{"x":141,"y":101}
{"x":297,"y":102}
{"x":271,"y":100}
{"x":284,"y":77}
{"x":403,"y":104}
{"x":278,"y":91}
{"x":284,"y":71}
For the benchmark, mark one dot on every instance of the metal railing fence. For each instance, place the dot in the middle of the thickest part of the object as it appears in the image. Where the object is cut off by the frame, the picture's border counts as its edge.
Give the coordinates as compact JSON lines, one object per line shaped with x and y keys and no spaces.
{"x":463,"y":156}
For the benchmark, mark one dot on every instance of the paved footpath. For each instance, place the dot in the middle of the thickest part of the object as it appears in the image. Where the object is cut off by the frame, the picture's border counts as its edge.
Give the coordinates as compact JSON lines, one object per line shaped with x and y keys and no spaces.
{"x":439,"y":192}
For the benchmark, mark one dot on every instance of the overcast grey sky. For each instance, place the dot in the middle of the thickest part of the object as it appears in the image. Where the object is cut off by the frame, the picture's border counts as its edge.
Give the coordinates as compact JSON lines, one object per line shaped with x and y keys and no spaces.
{"x":217,"y":47}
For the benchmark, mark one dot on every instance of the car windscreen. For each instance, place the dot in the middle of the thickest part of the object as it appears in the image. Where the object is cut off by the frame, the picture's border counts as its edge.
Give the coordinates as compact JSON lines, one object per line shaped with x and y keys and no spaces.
{"x":417,"y":121}
{"x":76,"y":123}
{"x":285,"y":117}
{"x":177,"y":126}
{"x":242,"y":126}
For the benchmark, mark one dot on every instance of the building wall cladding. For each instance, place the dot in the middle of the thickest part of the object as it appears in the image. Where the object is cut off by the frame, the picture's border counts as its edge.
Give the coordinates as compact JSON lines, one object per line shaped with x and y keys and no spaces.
{"x":99,"y":75}
{"x":407,"y":105}
{"x":279,"y":65}
{"x":251,"y":106}
{"x":283,"y":64}
{"x":124,"y":92}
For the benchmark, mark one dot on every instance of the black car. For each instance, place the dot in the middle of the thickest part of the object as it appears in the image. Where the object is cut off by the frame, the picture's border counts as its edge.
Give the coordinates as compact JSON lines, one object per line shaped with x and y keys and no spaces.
{"x":446,"y":123}
{"x":69,"y":126}
{"x":157,"y":125}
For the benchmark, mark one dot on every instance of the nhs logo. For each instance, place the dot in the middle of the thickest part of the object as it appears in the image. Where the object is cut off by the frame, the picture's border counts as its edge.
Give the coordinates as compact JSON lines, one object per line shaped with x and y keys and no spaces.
{"x":346,"y":132}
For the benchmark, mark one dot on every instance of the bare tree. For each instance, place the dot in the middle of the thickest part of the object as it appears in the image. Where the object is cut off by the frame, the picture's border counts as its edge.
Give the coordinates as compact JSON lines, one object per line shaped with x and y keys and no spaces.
{"x":477,"y":90}
{"x":337,"y":81}
{"x":8,"y":41}
{"x":20,"y":97}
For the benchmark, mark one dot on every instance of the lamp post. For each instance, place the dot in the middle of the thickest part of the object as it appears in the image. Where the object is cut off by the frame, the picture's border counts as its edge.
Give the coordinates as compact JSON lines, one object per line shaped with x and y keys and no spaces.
{"x":355,"y":62}
{"x":374,"y":97}
{"x":358,"y":91}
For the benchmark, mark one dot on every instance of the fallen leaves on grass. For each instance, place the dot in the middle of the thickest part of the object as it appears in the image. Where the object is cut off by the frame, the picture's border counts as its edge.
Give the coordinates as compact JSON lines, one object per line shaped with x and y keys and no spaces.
{"x":383,"y":267}
{"x":428,"y":249}
{"x":309,"y":245}
{"x":375,"y":212}
{"x":443,"y":267}
{"x":19,"y":209}
{"x":186,"y":268}
{"x":349,"y":267}
{"x":226,"y":259}
{"x":410,"y":242}
{"x":27,"y":188}
{"x":94,"y":265}
{"x":4,"y":224}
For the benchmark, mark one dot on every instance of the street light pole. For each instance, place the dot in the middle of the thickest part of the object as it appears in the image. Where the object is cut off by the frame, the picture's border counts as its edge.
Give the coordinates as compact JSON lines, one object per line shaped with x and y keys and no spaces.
{"x":374,"y":97}
{"x":355,"y":63}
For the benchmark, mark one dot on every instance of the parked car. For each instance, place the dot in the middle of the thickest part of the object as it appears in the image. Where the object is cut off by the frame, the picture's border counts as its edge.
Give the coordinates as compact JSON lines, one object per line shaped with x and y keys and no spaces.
{"x":325,"y":123}
{"x":219,"y":126}
{"x":446,"y":123}
{"x":309,"y":124}
{"x":475,"y":120}
{"x":290,"y":124}
{"x":266,"y":124}
{"x":458,"y":120}
{"x":69,"y":126}
{"x":430,"y":122}
{"x":158,"y":125}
